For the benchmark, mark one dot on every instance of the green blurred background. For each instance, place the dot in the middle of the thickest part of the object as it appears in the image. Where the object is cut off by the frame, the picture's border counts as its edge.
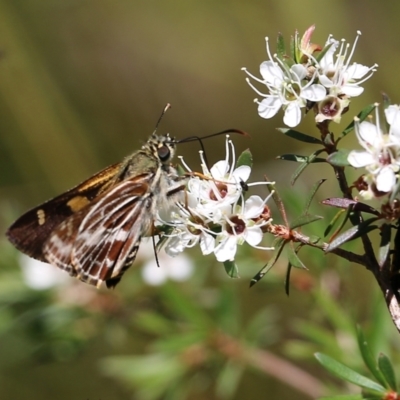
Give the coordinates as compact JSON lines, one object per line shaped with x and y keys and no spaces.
{"x":82,"y":84}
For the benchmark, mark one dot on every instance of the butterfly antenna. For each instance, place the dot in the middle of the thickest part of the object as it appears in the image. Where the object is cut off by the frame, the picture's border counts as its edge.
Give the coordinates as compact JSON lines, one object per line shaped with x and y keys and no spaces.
{"x":200,"y":139}
{"x":155,"y":251}
{"x":166,"y":108}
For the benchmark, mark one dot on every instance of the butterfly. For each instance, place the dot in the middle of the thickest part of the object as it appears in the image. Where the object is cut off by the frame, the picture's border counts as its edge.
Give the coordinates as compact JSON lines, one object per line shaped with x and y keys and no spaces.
{"x":93,"y":231}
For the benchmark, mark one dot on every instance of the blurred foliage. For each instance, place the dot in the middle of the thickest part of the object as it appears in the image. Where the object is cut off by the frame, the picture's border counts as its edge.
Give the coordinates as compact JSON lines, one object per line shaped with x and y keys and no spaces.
{"x":82,"y":83}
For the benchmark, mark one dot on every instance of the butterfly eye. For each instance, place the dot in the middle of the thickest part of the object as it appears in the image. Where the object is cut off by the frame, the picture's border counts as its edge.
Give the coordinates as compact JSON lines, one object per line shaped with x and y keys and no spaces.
{"x":164,"y":153}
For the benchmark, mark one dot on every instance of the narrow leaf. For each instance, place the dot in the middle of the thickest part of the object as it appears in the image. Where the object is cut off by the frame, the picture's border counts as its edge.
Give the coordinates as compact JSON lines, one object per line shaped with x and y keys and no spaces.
{"x":301,"y":159}
{"x":339,"y":158}
{"x":385,"y":366}
{"x":302,"y":137}
{"x":277,"y":200}
{"x":153,"y":323}
{"x":294,"y":259}
{"x":293,"y":157}
{"x":368,"y":357}
{"x":311,"y":159}
{"x":333,"y":222}
{"x":304,"y":220}
{"x":280,"y":46}
{"x":246,"y":158}
{"x":344,"y":397}
{"x":346,"y":203}
{"x":386,"y":100}
{"x":352,"y":233}
{"x":361,"y":116}
{"x":228,"y":380}
{"x":346,"y":217}
{"x":322,"y":53}
{"x":384,"y":247}
{"x":349,"y":375}
{"x":231,"y":269}
{"x":287,"y":279}
{"x":279,"y":245}
{"x":339,"y":202}
{"x":313,"y":191}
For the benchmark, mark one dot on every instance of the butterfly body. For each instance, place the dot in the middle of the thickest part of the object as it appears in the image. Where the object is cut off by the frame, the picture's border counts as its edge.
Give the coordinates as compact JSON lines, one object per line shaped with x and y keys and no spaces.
{"x":93,"y":231}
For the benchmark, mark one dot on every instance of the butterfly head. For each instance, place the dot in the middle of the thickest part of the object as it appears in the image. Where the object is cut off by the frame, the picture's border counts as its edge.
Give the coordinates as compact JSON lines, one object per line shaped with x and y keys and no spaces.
{"x":162,"y":147}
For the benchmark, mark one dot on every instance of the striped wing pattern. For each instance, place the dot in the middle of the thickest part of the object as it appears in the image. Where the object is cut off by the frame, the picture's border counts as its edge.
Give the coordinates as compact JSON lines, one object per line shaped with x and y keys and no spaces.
{"x":98,"y":243}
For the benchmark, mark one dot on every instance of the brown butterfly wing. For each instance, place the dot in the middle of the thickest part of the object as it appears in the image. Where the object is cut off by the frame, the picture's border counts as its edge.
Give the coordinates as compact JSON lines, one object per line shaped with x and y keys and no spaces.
{"x":29,"y":232}
{"x":99,"y":243}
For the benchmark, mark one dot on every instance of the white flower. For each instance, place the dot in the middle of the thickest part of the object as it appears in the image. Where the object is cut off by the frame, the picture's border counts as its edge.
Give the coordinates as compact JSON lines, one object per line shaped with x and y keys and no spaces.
{"x":220,"y":185}
{"x":287,"y":88}
{"x":241,"y":227}
{"x":41,"y":276}
{"x":211,"y":214}
{"x":177,"y":269}
{"x":337,"y":74}
{"x":381,"y":154}
{"x":189,"y":229}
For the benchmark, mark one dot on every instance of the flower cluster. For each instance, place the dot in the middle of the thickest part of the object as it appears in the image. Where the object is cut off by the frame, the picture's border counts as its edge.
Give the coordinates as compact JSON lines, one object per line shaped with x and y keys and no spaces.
{"x":215,"y":213}
{"x":381,"y":154}
{"x":302,"y":80}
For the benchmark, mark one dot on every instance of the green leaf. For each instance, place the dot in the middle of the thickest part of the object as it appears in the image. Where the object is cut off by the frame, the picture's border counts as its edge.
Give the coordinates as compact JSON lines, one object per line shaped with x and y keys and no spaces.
{"x":287,"y":278}
{"x":279,"y":245}
{"x":299,"y":158}
{"x":246,"y":158}
{"x":368,"y":357}
{"x":334,"y":312}
{"x":179,"y":342}
{"x":280,"y":47}
{"x":347,"y":374}
{"x":182,"y":305}
{"x":294,"y":48}
{"x":152,"y":374}
{"x":304,"y":220}
{"x":321,"y":54}
{"x":344,"y":397}
{"x":228,"y":380}
{"x":361,"y":116}
{"x":311,"y":159}
{"x":352,"y":233}
{"x":386,"y":101}
{"x":384,"y":247}
{"x":231,"y":269}
{"x":339,"y":158}
{"x":153,"y":323}
{"x":316,"y":334}
{"x":333,"y":221}
{"x":294,"y":259}
{"x":302,"y":137}
{"x":385,"y":366}
{"x":313,"y":191}
{"x":354,"y":205}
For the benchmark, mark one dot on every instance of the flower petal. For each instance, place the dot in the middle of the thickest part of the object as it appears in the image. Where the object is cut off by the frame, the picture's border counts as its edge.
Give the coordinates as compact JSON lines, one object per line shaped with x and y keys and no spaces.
{"x":271,"y":73}
{"x":207,"y":243}
{"x":226,"y":250}
{"x":358,"y":158}
{"x":253,"y":207}
{"x":356,"y":71}
{"x":241,"y":173}
{"x":219,"y":169}
{"x":370,"y":134}
{"x":352,"y":90}
{"x":314,"y":92}
{"x":292,"y":115}
{"x":269,"y":106}
{"x":253,"y":235}
{"x":386,"y":179}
